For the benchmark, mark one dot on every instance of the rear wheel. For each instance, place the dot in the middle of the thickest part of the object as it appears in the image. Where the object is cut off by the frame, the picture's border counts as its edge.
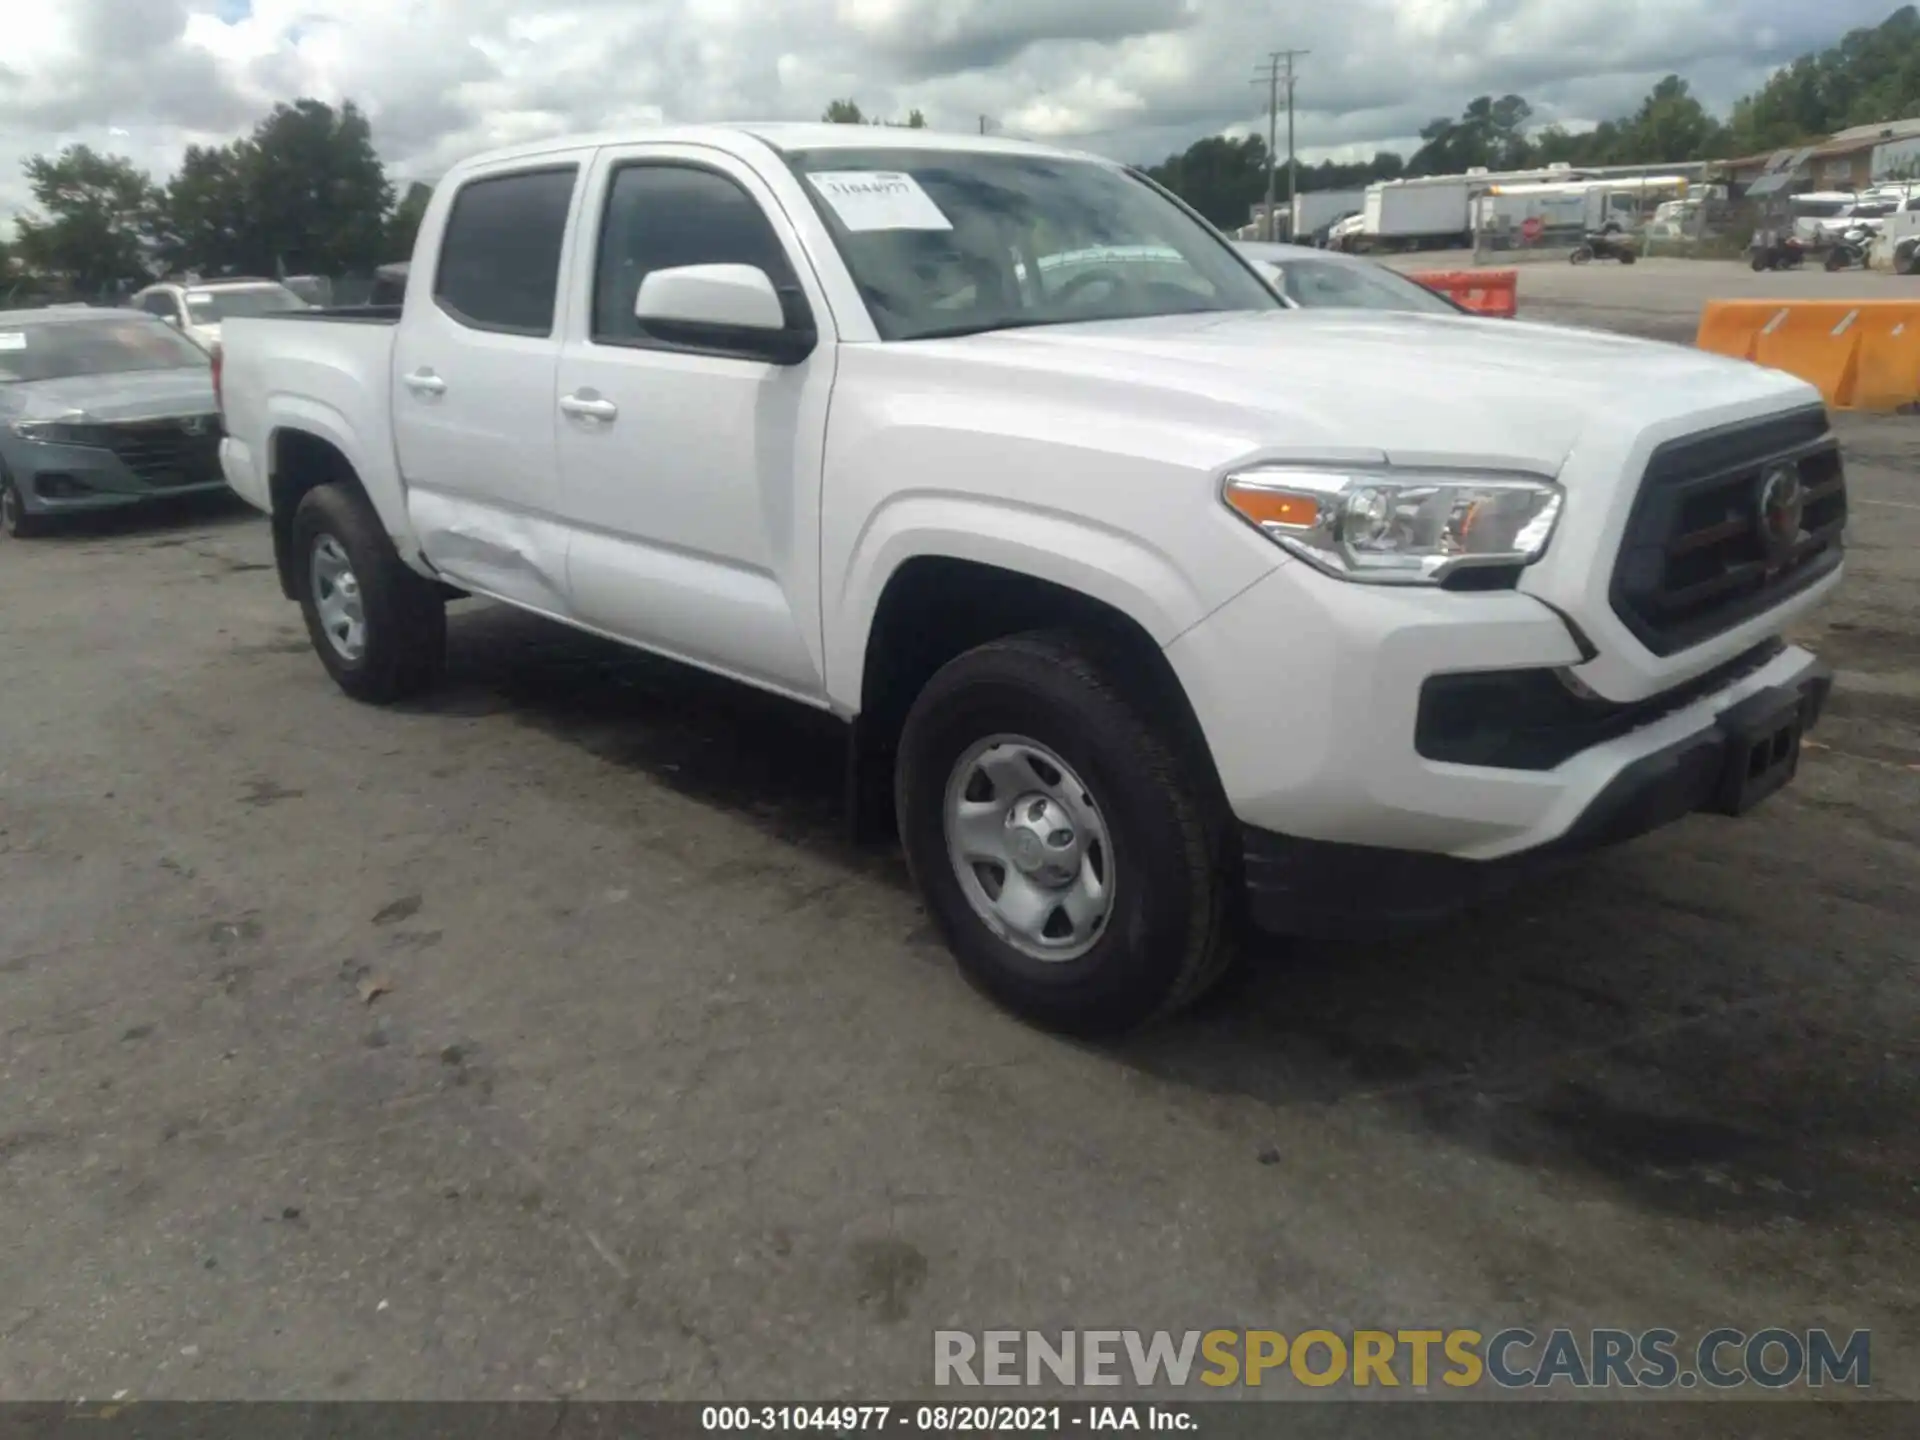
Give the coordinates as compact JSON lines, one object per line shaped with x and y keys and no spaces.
{"x":378,"y":627}
{"x":1061,"y":841}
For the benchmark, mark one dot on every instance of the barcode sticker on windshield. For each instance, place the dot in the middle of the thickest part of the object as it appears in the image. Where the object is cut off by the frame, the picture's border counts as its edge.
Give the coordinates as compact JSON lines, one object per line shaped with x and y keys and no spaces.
{"x":13,"y":339}
{"x":879,"y":200}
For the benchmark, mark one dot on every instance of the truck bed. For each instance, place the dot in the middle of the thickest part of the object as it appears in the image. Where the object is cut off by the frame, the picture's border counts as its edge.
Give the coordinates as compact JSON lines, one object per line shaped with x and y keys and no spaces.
{"x":328,"y":369}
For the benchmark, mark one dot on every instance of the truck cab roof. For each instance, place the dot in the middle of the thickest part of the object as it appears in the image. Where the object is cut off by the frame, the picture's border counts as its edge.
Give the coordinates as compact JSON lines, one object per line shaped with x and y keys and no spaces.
{"x":781,"y":136}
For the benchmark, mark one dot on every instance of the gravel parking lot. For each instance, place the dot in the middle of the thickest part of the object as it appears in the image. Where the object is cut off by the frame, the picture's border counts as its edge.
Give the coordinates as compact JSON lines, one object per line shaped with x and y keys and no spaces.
{"x":546,"y":1039}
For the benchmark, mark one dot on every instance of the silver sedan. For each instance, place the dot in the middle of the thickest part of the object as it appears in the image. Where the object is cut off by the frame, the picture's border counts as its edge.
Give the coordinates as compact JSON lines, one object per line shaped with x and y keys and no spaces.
{"x":1315,"y":279}
{"x":100,"y":409}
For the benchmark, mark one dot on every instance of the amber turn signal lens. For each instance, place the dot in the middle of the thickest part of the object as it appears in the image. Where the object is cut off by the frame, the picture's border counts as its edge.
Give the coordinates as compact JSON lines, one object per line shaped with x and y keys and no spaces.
{"x":1263,"y":506}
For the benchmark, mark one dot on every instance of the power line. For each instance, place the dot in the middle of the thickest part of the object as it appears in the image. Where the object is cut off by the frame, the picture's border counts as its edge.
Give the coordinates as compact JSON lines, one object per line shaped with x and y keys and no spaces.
{"x":1277,"y":70}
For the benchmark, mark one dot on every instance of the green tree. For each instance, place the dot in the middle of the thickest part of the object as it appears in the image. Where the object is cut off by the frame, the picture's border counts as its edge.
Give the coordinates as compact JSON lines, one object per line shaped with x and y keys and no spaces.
{"x":207,"y":220}
{"x":1872,"y":74}
{"x":100,"y":219}
{"x":1489,"y":132}
{"x":317,"y":199}
{"x":1221,"y":178}
{"x":404,"y":224}
{"x":846,"y":112}
{"x":1672,"y":125}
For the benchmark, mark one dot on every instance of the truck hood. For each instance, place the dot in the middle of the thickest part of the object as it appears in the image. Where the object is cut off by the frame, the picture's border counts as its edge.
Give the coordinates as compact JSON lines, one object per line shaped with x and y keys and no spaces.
{"x":134,"y":395}
{"x":1412,"y":386}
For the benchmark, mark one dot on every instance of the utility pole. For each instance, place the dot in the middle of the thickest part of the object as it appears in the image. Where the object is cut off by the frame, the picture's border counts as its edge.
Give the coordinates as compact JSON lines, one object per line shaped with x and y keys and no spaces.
{"x":1279,"y":67}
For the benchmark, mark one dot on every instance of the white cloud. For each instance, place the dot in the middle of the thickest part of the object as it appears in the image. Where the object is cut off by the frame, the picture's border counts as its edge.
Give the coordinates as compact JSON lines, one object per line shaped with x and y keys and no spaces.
{"x":1133,"y":78}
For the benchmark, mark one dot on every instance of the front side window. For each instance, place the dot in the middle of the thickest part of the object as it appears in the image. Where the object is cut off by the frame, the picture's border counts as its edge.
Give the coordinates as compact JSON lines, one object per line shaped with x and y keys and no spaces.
{"x":33,"y":350}
{"x":160,"y":303}
{"x":958,"y":242}
{"x":659,"y":217}
{"x":499,"y":263}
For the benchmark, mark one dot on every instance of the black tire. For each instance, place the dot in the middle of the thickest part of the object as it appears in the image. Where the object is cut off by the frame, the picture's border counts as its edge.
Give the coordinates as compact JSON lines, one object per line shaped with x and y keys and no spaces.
{"x":1172,"y":930}
{"x":1627,"y":257}
{"x":19,"y":522}
{"x":1581,"y":255}
{"x":1760,"y":261}
{"x":405,"y":618}
{"x":1835,"y":260}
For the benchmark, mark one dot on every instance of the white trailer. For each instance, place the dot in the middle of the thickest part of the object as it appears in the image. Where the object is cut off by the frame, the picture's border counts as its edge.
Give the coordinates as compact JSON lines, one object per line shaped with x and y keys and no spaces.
{"x":1579,"y":207}
{"x":1322,"y":207}
{"x":1432,"y":211}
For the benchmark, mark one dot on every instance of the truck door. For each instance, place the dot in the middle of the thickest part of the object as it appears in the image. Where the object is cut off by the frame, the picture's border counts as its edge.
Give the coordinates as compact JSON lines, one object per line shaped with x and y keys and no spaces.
{"x":691,"y":473}
{"x":473,"y":370}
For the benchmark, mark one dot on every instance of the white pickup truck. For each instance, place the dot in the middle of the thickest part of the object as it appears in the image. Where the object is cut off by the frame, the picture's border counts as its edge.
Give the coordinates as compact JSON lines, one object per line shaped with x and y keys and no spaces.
{"x":1152,"y":604}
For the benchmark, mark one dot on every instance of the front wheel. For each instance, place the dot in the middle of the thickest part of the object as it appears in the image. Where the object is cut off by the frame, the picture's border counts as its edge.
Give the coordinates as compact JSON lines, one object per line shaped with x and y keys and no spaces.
{"x":20,"y":522}
{"x":1581,"y":255}
{"x":1836,"y":260}
{"x":1060,"y":839}
{"x":378,"y":627}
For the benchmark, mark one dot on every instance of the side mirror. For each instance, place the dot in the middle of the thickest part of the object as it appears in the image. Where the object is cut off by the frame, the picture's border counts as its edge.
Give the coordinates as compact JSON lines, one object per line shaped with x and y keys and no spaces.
{"x":173,"y":320}
{"x":727,"y":307}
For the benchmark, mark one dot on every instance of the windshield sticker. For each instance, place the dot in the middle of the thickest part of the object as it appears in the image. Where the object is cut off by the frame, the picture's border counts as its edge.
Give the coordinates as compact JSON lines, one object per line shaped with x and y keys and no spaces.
{"x":13,"y":339}
{"x":879,"y":200}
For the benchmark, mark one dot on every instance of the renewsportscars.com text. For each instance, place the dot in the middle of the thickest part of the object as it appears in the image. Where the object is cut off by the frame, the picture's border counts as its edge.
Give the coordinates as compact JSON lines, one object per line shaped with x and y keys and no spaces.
{"x":1511,"y":1359}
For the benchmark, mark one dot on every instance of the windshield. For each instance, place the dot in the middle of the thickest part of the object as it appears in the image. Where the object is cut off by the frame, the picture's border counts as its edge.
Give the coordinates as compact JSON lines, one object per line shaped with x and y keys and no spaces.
{"x":210,"y":307}
{"x":1821,"y":209}
{"x":111,"y":345}
{"x":1327,"y":284}
{"x":953,"y":243}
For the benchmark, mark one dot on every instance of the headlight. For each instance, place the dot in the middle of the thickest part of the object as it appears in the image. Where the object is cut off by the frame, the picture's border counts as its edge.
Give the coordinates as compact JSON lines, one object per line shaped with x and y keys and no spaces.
{"x":63,"y":432}
{"x":1398,"y":527}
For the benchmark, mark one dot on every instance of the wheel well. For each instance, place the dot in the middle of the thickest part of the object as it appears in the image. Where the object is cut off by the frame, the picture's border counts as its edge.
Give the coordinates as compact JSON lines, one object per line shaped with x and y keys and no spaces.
{"x":936,"y":608}
{"x":299,"y":463}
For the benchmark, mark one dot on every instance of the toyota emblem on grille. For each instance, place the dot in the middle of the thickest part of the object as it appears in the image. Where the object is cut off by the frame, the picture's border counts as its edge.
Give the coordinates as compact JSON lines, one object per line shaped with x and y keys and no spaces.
{"x":194,"y":425}
{"x":1782,"y":506}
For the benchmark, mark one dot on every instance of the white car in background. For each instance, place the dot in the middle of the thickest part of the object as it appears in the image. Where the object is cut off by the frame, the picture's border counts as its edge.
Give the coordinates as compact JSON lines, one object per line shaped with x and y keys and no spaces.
{"x":197,"y":310}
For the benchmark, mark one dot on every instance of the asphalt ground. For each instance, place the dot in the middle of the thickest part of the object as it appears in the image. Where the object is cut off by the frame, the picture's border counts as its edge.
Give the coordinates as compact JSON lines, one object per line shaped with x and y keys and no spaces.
{"x":545,"y":1039}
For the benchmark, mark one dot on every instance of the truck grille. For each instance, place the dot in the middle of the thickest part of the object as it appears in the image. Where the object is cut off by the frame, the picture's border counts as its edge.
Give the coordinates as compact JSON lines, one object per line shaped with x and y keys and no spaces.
{"x":183,"y":450}
{"x":1727,"y":525}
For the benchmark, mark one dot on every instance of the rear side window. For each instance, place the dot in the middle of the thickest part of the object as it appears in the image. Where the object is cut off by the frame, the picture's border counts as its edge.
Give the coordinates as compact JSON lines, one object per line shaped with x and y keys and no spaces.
{"x":500,"y":256}
{"x":662,"y":216}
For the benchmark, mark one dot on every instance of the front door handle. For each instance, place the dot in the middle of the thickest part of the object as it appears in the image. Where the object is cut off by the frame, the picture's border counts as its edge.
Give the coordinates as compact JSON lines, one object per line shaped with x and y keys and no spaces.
{"x":425,"y":382}
{"x":588,"y":406}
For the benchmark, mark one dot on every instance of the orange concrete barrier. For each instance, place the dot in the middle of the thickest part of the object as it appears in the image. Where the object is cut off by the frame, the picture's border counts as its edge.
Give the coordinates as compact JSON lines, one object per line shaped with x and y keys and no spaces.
{"x":1485,"y":292}
{"x":1860,"y":354}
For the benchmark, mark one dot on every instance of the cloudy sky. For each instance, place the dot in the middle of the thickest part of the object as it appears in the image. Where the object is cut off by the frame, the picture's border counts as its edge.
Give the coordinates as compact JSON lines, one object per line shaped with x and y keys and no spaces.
{"x":1131,"y":78}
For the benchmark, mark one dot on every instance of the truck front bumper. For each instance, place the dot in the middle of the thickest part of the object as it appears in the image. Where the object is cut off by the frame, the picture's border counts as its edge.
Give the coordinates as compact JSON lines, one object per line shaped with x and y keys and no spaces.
{"x":1726,"y":765}
{"x":1317,"y":699}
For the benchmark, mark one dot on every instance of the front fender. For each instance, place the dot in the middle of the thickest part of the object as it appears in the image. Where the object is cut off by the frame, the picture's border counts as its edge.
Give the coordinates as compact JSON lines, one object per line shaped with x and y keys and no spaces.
{"x":1125,"y":572}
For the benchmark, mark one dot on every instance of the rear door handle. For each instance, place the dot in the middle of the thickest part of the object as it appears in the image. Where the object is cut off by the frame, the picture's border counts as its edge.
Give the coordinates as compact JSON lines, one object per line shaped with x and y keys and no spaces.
{"x":425,"y":382}
{"x":588,"y":406}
